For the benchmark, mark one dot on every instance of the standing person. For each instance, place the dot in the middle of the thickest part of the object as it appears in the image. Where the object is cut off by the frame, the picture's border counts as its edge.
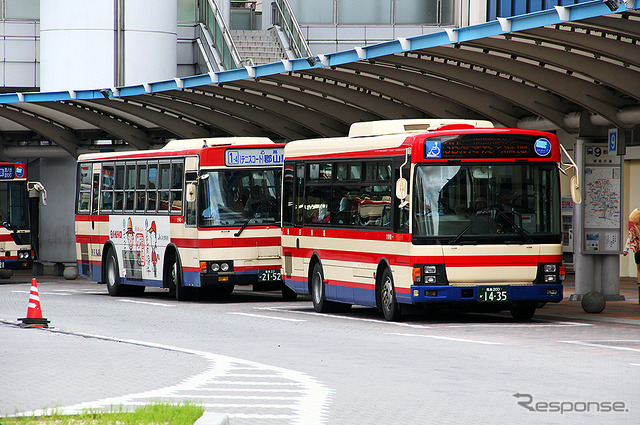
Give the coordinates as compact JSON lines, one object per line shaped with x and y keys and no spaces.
{"x":633,"y":240}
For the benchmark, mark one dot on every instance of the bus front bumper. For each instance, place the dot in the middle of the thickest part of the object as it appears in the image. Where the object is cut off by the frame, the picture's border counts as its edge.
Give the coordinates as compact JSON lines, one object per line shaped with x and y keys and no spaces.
{"x":434,"y":294}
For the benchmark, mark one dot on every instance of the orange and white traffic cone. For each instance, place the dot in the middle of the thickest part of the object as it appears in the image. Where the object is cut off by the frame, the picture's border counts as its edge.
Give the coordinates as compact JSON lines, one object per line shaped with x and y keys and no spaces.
{"x":34,"y":317}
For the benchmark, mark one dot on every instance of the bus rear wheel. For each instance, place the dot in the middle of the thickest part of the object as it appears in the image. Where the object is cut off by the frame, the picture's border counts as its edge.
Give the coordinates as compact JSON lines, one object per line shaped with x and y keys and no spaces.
{"x":389,"y":305}
{"x":112,"y":278}
{"x":320,"y":303}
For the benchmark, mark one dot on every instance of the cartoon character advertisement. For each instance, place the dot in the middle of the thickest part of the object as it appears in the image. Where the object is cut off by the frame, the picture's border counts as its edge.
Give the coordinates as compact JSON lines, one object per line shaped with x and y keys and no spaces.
{"x":140,"y":243}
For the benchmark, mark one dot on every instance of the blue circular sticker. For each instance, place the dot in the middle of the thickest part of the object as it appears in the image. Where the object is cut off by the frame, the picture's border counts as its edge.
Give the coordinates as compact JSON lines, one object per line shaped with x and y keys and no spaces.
{"x":19,"y":172}
{"x":542,"y":147}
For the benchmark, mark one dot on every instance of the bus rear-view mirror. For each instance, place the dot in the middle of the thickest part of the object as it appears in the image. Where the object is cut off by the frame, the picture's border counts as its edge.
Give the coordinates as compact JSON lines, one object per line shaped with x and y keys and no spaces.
{"x":576,"y":196}
{"x":402,"y":188}
{"x":191,"y":192}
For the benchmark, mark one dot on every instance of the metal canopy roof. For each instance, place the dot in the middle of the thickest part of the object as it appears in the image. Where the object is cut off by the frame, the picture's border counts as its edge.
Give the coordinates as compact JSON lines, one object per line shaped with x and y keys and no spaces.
{"x":547,"y":70}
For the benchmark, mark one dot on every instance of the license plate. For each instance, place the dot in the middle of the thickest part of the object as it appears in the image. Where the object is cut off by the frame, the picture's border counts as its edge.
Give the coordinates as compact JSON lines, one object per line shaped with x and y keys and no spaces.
{"x":270,"y":275}
{"x":492,"y":294}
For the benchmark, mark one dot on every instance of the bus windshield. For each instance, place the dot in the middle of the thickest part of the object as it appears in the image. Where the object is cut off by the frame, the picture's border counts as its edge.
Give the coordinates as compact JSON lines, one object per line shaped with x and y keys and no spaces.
{"x":487,"y":203}
{"x":239,"y":197}
{"x":14,"y":207}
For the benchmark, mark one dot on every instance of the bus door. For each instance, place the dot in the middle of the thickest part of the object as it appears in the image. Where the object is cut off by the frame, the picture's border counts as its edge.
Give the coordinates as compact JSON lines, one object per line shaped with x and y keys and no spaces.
{"x":88,"y":241}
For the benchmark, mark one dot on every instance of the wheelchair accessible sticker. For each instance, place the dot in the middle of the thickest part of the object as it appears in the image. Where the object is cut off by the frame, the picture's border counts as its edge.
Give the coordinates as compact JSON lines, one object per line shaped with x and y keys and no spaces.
{"x":432,"y":148}
{"x":542,"y":147}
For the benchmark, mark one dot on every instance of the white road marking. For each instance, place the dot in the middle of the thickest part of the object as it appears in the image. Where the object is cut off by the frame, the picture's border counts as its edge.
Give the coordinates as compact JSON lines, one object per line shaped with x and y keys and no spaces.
{"x":438,"y":326}
{"x":268,"y":317}
{"x":337,"y":316}
{"x":147,"y":303}
{"x":446,"y":338}
{"x":307,"y":400}
{"x":613,"y":347}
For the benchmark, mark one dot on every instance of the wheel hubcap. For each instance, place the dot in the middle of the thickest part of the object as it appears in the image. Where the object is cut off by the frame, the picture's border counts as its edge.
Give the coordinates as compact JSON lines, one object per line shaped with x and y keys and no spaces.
{"x":387,"y":294}
{"x":317,"y":289}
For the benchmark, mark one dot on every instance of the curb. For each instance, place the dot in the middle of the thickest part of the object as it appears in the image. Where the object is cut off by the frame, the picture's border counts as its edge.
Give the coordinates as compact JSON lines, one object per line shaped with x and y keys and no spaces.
{"x":211,"y":418}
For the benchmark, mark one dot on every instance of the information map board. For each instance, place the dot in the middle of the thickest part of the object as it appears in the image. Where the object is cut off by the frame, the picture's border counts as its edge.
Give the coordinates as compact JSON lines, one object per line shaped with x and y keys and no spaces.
{"x":602,"y":202}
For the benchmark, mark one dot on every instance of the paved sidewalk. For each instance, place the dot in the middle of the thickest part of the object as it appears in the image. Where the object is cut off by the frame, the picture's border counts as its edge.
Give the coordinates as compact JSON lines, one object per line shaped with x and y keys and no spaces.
{"x":627,"y":311}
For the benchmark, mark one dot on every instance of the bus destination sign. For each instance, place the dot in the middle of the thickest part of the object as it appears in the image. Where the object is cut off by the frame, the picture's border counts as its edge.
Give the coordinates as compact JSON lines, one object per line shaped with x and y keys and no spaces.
{"x":239,"y":157}
{"x":7,"y":172}
{"x":487,"y":146}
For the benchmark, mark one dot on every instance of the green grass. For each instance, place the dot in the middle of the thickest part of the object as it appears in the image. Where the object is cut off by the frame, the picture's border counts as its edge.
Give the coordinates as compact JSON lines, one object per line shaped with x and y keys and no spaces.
{"x":154,"y":414}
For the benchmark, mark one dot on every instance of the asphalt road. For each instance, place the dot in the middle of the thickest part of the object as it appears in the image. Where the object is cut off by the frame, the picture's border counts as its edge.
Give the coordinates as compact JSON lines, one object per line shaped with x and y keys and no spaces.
{"x":261,"y":360}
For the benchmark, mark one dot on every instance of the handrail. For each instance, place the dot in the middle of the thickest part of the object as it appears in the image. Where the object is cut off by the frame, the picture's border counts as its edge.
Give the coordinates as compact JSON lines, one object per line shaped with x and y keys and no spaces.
{"x":222,"y":40}
{"x":282,"y":15}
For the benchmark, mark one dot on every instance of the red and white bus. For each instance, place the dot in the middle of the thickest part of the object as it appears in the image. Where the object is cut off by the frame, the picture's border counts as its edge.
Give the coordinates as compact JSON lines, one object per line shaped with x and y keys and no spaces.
{"x":426,"y":212}
{"x":16,"y":250}
{"x":196,"y":213}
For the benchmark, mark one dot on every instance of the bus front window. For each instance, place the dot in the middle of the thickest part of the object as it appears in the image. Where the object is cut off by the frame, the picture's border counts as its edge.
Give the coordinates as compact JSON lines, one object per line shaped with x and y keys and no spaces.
{"x":231,"y":197}
{"x":14,"y":207}
{"x":486,"y":203}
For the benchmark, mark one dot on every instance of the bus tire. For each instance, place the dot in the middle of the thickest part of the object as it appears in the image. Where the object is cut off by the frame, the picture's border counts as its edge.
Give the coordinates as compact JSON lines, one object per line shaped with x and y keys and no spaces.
{"x":524,"y":311}
{"x":388,"y":304}
{"x":320,"y":303}
{"x":112,"y":275}
{"x":174,"y":274}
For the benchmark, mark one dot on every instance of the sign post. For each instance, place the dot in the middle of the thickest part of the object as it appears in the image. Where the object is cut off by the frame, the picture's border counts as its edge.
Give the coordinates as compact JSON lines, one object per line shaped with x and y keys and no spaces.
{"x":598,"y":241}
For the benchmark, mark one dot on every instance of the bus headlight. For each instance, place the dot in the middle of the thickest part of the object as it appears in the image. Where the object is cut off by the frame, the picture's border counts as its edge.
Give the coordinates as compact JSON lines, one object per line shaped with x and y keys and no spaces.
{"x":215,"y":267}
{"x":23,"y":255}
{"x":224,"y":267}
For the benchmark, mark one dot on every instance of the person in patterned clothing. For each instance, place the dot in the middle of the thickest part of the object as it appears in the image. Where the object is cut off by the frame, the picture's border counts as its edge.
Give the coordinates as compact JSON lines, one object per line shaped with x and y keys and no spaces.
{"x":633,"y":240}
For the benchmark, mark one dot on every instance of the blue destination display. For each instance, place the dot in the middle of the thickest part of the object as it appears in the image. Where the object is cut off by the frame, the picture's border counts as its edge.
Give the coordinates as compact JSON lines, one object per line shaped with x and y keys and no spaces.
{"x":7,"y":172}
{"x":253,"y":156}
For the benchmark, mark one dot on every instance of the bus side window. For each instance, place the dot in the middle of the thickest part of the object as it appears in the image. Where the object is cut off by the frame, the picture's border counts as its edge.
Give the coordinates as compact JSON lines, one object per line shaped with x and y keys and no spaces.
{"x":177,"y":182}
{"x":164,"y":184}
{"x":152,"y":194}
{"x":118,"y":193}
{"x":107,"y":188}
{"x":130,"y":187}
{"x":84,"y":188}
{"x":299,"y":194}
{"x":141,"y":188}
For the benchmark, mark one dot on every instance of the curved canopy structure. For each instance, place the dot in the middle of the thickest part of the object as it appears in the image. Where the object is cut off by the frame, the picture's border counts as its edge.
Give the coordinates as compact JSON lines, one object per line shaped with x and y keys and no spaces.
{"x":567,"y":68}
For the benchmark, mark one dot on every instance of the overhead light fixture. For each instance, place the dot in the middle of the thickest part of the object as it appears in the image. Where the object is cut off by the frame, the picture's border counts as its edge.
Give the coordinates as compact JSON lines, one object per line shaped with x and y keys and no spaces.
{"x":106,"y":93}
{"x":311,"y":60}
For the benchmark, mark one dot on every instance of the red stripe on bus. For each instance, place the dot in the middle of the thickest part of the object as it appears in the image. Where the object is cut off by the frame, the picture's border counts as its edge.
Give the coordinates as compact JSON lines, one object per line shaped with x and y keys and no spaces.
{"x":374,"y":235}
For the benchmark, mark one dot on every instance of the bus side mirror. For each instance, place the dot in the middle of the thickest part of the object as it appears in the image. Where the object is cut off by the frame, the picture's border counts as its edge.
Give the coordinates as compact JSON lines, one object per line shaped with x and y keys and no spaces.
{"x":576,"y":196}
{"x":191,"y":192}
{"x":36,"y":189}
{"x":402,"y":189}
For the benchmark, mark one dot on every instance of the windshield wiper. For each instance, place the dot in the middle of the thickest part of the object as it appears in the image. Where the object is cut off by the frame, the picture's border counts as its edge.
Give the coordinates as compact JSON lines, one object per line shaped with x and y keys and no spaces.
{"x":477,"y":216}
{"x":252,"y":212}
{"x":515,"y":226}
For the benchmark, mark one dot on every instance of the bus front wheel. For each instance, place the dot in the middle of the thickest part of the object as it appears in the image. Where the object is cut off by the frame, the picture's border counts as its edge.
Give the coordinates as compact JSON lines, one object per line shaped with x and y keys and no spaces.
{"x":174,"y":271}
{"x":524,"y":311}
{"x":389,"y":305}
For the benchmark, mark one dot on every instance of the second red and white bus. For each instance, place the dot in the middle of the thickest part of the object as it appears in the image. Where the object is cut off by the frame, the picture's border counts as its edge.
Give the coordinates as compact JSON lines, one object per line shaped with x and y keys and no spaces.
{"x":424,"y":212}
{"x":202,"y":213}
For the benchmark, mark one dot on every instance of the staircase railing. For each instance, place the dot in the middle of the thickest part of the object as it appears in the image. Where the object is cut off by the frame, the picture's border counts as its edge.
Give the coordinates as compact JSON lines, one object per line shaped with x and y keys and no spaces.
{"x":212,"y":18}
{"x":282,"y":15}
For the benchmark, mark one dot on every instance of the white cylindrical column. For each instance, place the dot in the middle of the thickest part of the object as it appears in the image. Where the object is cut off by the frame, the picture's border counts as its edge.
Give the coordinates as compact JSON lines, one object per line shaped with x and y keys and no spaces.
{"x":78,"y":46}
{"x":150,"y":40}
